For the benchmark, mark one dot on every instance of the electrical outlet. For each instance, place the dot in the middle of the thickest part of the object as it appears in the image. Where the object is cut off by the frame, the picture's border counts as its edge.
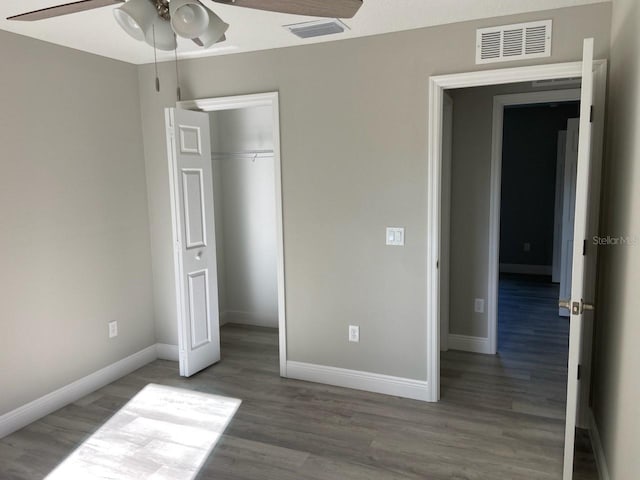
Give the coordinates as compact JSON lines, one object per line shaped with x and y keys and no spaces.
{"x":354,"y":333}
{"x":113,"y":329}
{"x":527,"y":247}
{"x":478,"y":305}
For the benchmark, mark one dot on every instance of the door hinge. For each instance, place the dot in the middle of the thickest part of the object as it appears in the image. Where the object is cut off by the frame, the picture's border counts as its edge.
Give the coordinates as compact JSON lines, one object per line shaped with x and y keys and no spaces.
{"x":584,"y":247}
{"x":579,"y":371}
{"x":591,"y":114}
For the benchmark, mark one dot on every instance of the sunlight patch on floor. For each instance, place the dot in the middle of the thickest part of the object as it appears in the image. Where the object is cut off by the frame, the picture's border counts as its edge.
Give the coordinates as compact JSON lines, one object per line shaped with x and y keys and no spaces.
{"x":161,"y":433}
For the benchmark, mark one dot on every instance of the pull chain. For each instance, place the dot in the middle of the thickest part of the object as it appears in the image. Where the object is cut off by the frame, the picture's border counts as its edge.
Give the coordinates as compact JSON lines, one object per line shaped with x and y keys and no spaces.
{"x":155,"y":58}
{"x":178,"y":93}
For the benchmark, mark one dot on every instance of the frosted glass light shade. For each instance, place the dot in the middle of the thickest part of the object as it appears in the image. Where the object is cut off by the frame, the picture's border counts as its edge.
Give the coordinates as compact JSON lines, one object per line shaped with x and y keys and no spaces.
{"x":135,"y":17}
{"x":189,"y":18}
{"x":165,"y":38}
{"x":215,"y":31}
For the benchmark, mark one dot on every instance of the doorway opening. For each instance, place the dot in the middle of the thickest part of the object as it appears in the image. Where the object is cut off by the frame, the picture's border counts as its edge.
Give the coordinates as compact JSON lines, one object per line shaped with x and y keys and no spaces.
{"x":231,"y":148}
{"x":592,"y":77}
{"x":535,"y":216}
{"x":503,"y":178}
{"x":244,"y":191}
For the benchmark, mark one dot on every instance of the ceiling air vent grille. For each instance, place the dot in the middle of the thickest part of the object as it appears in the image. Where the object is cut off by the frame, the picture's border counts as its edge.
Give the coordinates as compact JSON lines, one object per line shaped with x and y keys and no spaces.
{"x":513,"y":42}
{"x":317,"y":28}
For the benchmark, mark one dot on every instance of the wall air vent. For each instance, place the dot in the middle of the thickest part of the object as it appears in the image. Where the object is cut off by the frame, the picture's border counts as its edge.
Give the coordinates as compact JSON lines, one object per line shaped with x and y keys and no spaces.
{"x":513,"y":42}
{"x":317,"y":28}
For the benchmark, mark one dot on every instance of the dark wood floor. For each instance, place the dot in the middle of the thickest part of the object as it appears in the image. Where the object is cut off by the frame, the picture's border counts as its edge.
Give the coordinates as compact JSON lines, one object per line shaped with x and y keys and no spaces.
{"x":500,"y":418}
{"x":526,"y":381}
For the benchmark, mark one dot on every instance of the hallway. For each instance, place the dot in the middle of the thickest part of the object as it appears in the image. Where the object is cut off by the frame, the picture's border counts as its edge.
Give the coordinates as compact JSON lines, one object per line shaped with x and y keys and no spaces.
{"x":526,"y":381}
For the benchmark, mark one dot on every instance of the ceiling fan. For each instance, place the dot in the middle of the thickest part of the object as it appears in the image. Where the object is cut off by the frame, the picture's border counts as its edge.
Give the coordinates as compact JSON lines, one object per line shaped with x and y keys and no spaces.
{"x":159,"y":21}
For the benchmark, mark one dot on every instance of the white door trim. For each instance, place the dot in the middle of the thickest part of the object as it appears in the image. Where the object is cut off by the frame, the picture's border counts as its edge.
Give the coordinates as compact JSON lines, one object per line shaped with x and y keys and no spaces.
{"x":256,"y":100}
{"x":446,"y":227}
{"x":499,"y":102}
{"x":437,"y":86}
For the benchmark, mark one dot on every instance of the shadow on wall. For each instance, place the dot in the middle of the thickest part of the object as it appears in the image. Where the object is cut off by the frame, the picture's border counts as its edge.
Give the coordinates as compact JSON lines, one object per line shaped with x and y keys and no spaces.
{"x":616,"y":381}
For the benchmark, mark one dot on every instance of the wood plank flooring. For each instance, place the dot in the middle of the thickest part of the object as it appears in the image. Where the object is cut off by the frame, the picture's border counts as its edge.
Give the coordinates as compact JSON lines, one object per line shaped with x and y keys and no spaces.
{"x":500,"y":418}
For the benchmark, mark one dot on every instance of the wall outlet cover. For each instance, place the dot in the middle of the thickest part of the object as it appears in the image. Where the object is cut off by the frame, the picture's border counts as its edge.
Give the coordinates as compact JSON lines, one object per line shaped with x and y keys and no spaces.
{"x":113,"y":329}
{"x":478,"y":305}
{"x":354,"y":333}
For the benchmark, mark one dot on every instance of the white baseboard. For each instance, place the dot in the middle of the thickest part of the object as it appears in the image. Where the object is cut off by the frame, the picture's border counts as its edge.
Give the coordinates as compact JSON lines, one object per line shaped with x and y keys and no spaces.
{"x":248,"y":318}
{"x":167,"y":352}
{"x":469,"y":344}
{"x":598,"y":451}
{"x":526,"y":269}
{"x":370,"y":382}
{"x":32,"y":411}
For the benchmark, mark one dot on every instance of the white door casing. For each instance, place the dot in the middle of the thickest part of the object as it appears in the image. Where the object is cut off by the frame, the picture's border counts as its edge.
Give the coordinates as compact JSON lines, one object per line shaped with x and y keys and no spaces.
{"x":568,"y":211}
{"x":194,"y":252}
{"x":437,"y":86}
{"x":447,"y":151}
{"x":583,"y":267}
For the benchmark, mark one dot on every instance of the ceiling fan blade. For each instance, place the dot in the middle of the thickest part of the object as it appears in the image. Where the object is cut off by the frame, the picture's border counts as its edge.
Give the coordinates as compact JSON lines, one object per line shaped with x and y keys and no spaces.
{"x":312,"y":8}
{"x":65,"y":9}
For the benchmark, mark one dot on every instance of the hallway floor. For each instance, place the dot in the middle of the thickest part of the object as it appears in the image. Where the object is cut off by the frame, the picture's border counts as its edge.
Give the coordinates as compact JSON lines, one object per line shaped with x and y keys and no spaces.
{"x":527,"y":380}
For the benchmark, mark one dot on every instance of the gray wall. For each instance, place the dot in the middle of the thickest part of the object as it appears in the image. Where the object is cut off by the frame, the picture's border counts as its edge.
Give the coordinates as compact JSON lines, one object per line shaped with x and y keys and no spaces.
{"x":529,"y":160}
{"x":74,"y":236}
{"x":353,"y":133}
{"x":617,"y":357}
{"x":244,"y":196}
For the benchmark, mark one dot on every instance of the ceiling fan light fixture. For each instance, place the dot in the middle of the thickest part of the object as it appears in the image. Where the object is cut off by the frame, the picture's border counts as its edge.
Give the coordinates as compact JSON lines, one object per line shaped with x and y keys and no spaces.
{"x":165,"y":37}
{"x":135,"y":17}
{"x":214,"y":33}
{"x":189,"y":18}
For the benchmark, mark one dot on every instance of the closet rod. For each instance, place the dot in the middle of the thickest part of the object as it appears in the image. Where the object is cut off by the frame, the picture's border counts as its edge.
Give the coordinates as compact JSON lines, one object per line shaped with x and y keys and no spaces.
{"x":250,"y":154}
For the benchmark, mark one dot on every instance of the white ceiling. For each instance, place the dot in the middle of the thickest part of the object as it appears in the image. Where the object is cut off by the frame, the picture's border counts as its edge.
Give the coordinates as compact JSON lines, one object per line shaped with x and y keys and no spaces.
{"x":96,"y":31}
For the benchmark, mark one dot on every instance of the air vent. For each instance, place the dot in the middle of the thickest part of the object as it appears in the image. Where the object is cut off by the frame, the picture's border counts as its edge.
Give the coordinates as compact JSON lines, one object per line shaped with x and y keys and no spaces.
{"x":513,"y":42}
{"x":317,"y":28}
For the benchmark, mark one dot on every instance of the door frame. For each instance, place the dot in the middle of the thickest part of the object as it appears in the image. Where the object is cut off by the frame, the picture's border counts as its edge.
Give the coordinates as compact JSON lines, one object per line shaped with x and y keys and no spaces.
{"x":499,"y":104}
{"x":437,"y":86}
{"x":247,"y":101}
{"x":445,"y":279}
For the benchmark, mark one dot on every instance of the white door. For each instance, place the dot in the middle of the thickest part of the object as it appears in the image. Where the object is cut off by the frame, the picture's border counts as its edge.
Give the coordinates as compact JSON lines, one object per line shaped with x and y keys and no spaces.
{"x":558,"y":207}
{"x":191,"y":187}
{"x":568,"y":211}
{"x":583,"y":275}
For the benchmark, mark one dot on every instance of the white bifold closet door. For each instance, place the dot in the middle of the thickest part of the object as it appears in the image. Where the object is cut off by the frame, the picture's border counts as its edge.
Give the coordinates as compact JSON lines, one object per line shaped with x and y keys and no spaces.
{"x":192,"y":208}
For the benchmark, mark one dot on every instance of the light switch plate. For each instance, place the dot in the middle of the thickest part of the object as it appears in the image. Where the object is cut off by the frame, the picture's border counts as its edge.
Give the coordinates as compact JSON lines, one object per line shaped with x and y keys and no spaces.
{"x":395,"y":236}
